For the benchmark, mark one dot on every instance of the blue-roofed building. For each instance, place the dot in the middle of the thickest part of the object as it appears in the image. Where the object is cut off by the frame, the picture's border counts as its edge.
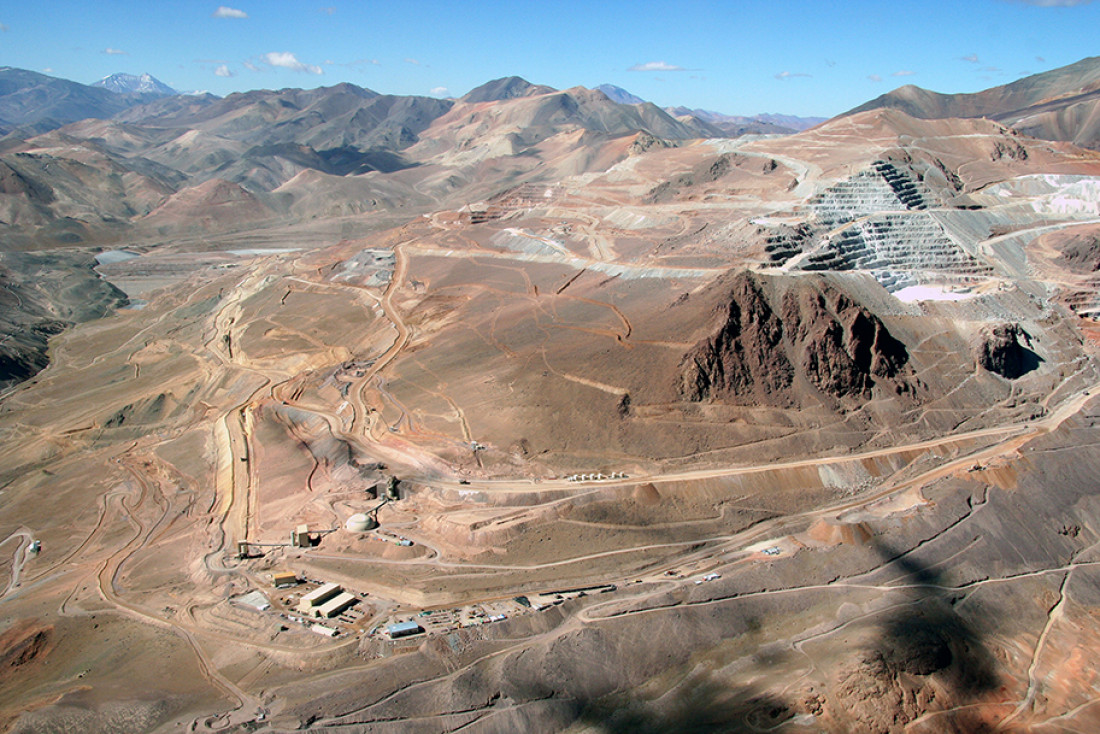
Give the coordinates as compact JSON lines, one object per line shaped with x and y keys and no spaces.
{"x":403,"y":629}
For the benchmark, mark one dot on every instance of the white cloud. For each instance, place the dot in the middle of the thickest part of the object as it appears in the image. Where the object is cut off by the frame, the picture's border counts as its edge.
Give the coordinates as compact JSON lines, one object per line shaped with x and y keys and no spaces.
{"x":904,"y":72}
{"x":972,"y":58}
{"x":114,"y":52}
{"x":227,"y":12}
{"x":414,"y":62}
{"x":784,"y":75}
{"x":287,"y":60}
{"x":3,"y":28}
{"x":48,"y":70}
{"x":656,"y":66}
{"x":1040,"y":59}
{"x":439,"y":92}
{"x":223,"y":70}
{"x":992,"y":69}
{"x":874,"y":77}
{"x":327,"y":10}
{"x":250,"y":66}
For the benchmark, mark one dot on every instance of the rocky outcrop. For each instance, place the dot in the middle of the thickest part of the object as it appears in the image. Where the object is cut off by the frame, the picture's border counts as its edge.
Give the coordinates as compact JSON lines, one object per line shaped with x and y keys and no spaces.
{"x":819,"y":334}
{"x":1079,"y":247}
{"x":644,"y":142}
{"x":844,"y":347}
{"x":743,"y":362}
{"x":1001,"y":352}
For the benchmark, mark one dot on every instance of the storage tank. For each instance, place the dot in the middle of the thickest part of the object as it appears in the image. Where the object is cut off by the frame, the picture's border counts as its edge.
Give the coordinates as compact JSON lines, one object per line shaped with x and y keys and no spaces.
{"x":360,"y":522}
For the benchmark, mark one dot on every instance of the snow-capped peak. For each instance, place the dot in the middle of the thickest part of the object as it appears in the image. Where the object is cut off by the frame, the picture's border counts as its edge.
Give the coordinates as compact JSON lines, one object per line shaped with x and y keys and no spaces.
{"x":132,"y":84}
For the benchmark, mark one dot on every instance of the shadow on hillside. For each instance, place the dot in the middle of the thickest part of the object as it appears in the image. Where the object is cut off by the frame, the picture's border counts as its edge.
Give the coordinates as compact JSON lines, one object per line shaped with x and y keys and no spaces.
{"x":1029,"y":361}
{"x":702,"y":706}
{"x":929,"y":636}
{"x":919,"y":640}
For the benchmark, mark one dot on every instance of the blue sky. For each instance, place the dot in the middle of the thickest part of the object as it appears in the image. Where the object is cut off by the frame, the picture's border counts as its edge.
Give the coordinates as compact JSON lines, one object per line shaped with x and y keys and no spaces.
{"x":792,"y":56}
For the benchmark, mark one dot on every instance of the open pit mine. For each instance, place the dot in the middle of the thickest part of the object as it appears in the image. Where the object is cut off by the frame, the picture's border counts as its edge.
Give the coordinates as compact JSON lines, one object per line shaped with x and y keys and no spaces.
{"x":530,"y":411}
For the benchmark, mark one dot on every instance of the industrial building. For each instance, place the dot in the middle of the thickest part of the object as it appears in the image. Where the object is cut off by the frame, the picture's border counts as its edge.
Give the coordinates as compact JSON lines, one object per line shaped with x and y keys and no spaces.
{"x":254,"y":600}
{"x":403,"y":629}
{"x":300,"y":537}
{"x":360,"y":522}
{"x":283,"y":579}
{"x":334,"y":606}
{"x":317,"y":597}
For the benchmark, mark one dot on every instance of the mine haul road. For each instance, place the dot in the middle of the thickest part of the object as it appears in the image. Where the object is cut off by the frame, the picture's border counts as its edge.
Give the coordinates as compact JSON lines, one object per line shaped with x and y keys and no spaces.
{"x":1025,"y":430}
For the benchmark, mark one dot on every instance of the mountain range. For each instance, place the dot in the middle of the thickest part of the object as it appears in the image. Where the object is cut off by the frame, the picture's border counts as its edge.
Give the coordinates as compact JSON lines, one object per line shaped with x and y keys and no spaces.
{"x":579,"y":414}
{"x":1061,"y":104}
{"x":729,"y":124}
{"x":140,"y":159}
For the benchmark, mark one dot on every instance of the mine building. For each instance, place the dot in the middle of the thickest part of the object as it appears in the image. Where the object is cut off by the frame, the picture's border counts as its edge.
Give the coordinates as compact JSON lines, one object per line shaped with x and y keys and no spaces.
{"x":317,"y":597}
{"x":300,"y":537}
{"x":283,"y":579}
{"x":360,"y":522}
{"x":334,"y":606}
{"x":254,"y":600}
{"x":403,"y":629}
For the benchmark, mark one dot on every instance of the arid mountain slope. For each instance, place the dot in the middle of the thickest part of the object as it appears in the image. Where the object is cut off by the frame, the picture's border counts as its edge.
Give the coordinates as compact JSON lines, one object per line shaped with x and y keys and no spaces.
{"x":507,"y":87}
{"x":43,"y":294}
{"x":505,"y":133}
{"x":1062,"y":104}
{"x":41,"y":103}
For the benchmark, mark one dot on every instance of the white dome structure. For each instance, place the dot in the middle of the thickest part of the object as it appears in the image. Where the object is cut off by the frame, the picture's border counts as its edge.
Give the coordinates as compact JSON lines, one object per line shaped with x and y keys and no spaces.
{"x":360,"y":522}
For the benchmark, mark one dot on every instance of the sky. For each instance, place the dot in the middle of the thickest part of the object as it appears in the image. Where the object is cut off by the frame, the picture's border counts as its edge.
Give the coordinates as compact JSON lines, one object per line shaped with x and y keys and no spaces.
{"x":801,"y":57}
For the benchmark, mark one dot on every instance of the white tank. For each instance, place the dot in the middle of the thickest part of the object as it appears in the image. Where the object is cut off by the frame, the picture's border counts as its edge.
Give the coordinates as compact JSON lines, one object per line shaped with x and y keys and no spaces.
{"x":359,"y":523}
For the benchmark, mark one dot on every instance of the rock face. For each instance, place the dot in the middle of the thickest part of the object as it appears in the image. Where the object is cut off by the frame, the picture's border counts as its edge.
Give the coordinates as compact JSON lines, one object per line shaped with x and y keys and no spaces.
{"x":1000,"y":351}
{"x":844,"y":348}
{"x":743,"y":362}
{"x":819,"y":334}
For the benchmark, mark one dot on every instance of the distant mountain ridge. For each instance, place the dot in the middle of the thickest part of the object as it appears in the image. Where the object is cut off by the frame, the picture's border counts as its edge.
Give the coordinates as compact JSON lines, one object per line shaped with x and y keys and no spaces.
{"x":34,"y":103}
{"x":729,"y":124}
{"x":189,"y":162}
{"x":123,"y":160}
{"x":741,"y":125}
{"x":509,"y":87}
{"x":619,"y":95}
{"x":43,"y":103}
{"x":135,"y":84}
{"x":1061,"y":104}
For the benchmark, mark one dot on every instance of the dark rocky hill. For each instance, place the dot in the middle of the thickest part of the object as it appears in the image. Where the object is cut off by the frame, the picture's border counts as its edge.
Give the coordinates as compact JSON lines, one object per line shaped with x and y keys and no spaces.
{"x":815,"y":334}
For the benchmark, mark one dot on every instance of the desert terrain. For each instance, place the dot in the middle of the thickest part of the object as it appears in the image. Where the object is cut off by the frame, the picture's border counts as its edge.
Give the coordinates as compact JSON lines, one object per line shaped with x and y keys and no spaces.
{"x":642,"y":427}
